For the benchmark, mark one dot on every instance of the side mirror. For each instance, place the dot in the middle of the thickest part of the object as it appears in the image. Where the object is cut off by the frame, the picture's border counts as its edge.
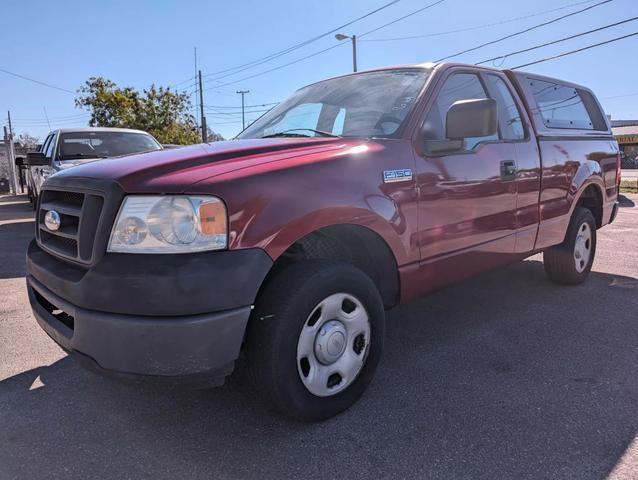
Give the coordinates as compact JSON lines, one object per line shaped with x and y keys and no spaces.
{"x":35,"y":159}
{"x":471,"y":118}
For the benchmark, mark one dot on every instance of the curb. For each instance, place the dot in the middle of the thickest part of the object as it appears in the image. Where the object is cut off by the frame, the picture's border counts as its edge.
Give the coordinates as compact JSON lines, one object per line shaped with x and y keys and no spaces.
{"x":629,"y":186}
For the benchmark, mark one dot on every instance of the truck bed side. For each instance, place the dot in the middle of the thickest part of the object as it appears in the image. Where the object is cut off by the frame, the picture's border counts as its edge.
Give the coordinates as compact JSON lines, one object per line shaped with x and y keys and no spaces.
{"x":578,"y":162}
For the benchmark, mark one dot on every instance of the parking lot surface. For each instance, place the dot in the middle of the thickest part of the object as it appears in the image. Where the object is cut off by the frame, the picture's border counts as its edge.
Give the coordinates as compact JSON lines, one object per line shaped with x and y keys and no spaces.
{"x":502,"y":376}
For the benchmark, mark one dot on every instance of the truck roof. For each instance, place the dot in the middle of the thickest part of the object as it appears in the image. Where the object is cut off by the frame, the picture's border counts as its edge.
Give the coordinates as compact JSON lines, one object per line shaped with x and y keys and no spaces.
{"x":439,"y":65}
{"x":97,"y":129}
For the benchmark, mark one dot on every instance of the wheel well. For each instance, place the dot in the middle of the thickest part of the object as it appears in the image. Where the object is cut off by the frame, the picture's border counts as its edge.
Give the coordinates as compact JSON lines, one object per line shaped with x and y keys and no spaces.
{"x":352,"y":244}
{"x":592,"y":200}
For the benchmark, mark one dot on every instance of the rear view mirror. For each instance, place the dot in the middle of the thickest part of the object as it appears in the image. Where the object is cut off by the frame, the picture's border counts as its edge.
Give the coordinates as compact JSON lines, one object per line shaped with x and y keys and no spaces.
{"x":471,"y":118}
{"x":37,"y":159}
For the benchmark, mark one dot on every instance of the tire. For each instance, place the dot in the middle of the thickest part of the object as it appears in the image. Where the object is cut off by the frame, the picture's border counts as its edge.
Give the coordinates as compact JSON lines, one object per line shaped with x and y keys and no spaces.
{"x":294,"y":309}
{"x":570,"y":262}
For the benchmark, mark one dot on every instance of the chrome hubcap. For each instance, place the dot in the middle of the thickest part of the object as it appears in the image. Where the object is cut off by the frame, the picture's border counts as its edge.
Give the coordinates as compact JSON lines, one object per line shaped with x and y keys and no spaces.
{"x":333,"y":345}
{"x":330,"y":342}
{"x":582,"y":247}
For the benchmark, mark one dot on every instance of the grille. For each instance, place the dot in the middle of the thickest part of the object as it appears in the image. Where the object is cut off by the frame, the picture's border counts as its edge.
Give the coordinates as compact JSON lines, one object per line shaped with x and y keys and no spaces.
{"x":56,"y":312}
{"x":79,"y":216}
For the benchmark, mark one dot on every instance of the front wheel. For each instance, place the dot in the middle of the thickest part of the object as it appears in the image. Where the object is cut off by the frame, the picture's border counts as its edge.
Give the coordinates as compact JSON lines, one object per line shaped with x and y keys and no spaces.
{"x":570,"y":262}
{"x":315,"y":338}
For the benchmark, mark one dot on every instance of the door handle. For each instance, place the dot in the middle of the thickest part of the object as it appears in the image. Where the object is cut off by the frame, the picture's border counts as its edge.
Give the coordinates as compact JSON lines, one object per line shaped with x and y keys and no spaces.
{"x":508,"y":170}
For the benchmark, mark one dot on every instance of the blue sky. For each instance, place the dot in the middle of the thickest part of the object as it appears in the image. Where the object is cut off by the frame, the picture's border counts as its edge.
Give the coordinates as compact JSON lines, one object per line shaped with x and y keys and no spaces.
{"x":141,"y":42}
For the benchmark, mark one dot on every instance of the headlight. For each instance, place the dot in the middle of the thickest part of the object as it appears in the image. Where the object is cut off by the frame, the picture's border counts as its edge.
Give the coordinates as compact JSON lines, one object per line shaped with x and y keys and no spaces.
{"x":169,"y":224}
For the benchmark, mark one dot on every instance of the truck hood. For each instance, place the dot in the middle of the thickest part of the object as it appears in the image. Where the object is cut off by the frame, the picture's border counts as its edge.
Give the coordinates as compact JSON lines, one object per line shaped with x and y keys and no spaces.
{"x":174,"y":170}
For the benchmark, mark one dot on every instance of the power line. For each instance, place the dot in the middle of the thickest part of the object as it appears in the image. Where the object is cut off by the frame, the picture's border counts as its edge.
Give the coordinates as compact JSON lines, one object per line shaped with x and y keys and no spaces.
{"x":259,"y":61}
{"x":401,"y":18}
{"x":521,"y":32}
{"x":234,"y":122}
{"x":620,"y":96}
{"x":52,"y":125}
{"x":216,"y":113}
{"x":478,"y":27}
{"x":278,"y":67}
{"x":49,"y":124}
{"x":45,"y":122}
{"x":511,"y":54}
{"x":325,"y":49}
{"x":247,"y":106}
{"x":38,"y":82}
{"x":575,"y":51}
{"x":173,"y":85}
{"x":62,"y":117}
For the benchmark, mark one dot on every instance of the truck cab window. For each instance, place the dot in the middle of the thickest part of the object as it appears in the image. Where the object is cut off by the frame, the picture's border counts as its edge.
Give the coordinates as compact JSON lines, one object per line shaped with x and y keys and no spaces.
{"x":459,"y":86}
{"x":560,"y":106}
{"x":509,"y":116}
{"x":49,"y":149}
{"x":45,"y":145}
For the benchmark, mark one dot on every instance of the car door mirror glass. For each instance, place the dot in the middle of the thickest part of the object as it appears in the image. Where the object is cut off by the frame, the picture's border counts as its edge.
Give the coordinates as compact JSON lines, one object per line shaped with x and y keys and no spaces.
{"x":37,"y":159}
{"x":471,"y":118}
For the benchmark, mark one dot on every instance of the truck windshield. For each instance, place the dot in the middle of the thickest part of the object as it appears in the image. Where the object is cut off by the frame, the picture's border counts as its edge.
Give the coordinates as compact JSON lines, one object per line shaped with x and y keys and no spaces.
{"x":81,"y":145}
{"x":371,"y":104}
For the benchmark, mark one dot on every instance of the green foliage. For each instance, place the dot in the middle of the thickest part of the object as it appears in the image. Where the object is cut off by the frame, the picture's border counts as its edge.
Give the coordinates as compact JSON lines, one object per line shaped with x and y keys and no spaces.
{"x":160,"y":111}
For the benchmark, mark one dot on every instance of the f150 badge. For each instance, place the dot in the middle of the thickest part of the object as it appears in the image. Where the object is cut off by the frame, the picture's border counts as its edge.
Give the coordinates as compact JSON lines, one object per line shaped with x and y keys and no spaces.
{"x":402,"y":175}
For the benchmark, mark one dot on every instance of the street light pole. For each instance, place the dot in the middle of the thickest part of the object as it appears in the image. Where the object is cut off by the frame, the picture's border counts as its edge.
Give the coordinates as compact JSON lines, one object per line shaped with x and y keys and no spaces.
{"x":243,"y":118}
{"x":341,"y":36}
{"x":354,"y":53}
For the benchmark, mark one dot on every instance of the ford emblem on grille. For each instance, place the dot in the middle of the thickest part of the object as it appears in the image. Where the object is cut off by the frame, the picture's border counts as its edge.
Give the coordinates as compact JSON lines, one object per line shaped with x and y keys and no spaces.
{"x":52,"y":220}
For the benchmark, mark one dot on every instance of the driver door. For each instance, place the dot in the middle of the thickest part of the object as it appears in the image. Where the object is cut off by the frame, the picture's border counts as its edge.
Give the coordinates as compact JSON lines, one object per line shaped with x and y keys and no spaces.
{"x":40,"y":173}
{"x":467,"y":195}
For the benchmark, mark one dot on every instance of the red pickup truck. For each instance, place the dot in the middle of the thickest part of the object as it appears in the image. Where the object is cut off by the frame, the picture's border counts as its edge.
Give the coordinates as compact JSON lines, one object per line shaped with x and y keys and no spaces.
{"x":287,"y":245}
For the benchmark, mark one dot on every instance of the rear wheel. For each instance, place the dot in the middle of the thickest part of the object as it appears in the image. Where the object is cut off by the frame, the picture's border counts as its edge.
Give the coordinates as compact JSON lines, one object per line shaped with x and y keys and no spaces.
{"x":315,"y":338}
{"x":570,"y":262}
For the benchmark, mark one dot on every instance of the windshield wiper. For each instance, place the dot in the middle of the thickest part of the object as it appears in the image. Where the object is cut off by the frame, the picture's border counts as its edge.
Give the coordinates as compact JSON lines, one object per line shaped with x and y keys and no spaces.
{"x":289,"y":133}
{"x":76,"y":156}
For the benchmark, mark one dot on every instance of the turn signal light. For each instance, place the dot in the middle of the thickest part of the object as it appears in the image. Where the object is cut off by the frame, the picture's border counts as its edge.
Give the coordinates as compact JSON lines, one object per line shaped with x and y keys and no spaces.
{"x":212,"y":218}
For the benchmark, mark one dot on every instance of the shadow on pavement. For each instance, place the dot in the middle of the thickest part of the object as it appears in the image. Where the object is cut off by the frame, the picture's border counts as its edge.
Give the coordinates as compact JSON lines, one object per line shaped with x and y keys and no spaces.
{"x":14,"y":239}
{"x":16,"y":231}
{"x":625,"y":201}
{"x":502,"y":376}
{"x":15,"y":208}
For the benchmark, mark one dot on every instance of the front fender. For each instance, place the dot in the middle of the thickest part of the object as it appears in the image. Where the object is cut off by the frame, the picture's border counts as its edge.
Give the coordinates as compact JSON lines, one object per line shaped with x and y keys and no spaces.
{"x":273,"y":205}
{"x":275,"y":239}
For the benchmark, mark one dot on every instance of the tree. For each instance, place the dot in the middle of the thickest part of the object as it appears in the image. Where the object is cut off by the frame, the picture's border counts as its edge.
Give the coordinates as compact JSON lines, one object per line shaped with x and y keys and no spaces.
{"x":27,"y":141}
{"x":160,"y":111}
{"x":213,"y":136}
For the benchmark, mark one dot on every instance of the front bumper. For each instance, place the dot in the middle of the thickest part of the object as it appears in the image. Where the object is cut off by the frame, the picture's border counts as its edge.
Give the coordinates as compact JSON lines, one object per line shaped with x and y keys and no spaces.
{"x":172,"y":316}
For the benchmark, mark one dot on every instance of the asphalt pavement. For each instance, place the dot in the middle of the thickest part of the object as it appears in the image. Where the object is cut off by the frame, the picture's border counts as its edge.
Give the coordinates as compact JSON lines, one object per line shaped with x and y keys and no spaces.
{"x":504,"y":376}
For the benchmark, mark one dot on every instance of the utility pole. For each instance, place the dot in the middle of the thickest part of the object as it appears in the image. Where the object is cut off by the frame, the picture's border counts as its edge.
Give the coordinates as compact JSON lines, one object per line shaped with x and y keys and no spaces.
{"x":243,"y":116}
{"x":201,"y":109}
{"x":8,"y":136}
{"x":196,"y":92}
{"x":9,"y":118}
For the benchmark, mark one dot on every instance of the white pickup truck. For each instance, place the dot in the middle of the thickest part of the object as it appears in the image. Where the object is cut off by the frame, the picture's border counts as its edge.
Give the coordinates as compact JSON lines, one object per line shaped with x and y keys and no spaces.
{"x":66,"y":147}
